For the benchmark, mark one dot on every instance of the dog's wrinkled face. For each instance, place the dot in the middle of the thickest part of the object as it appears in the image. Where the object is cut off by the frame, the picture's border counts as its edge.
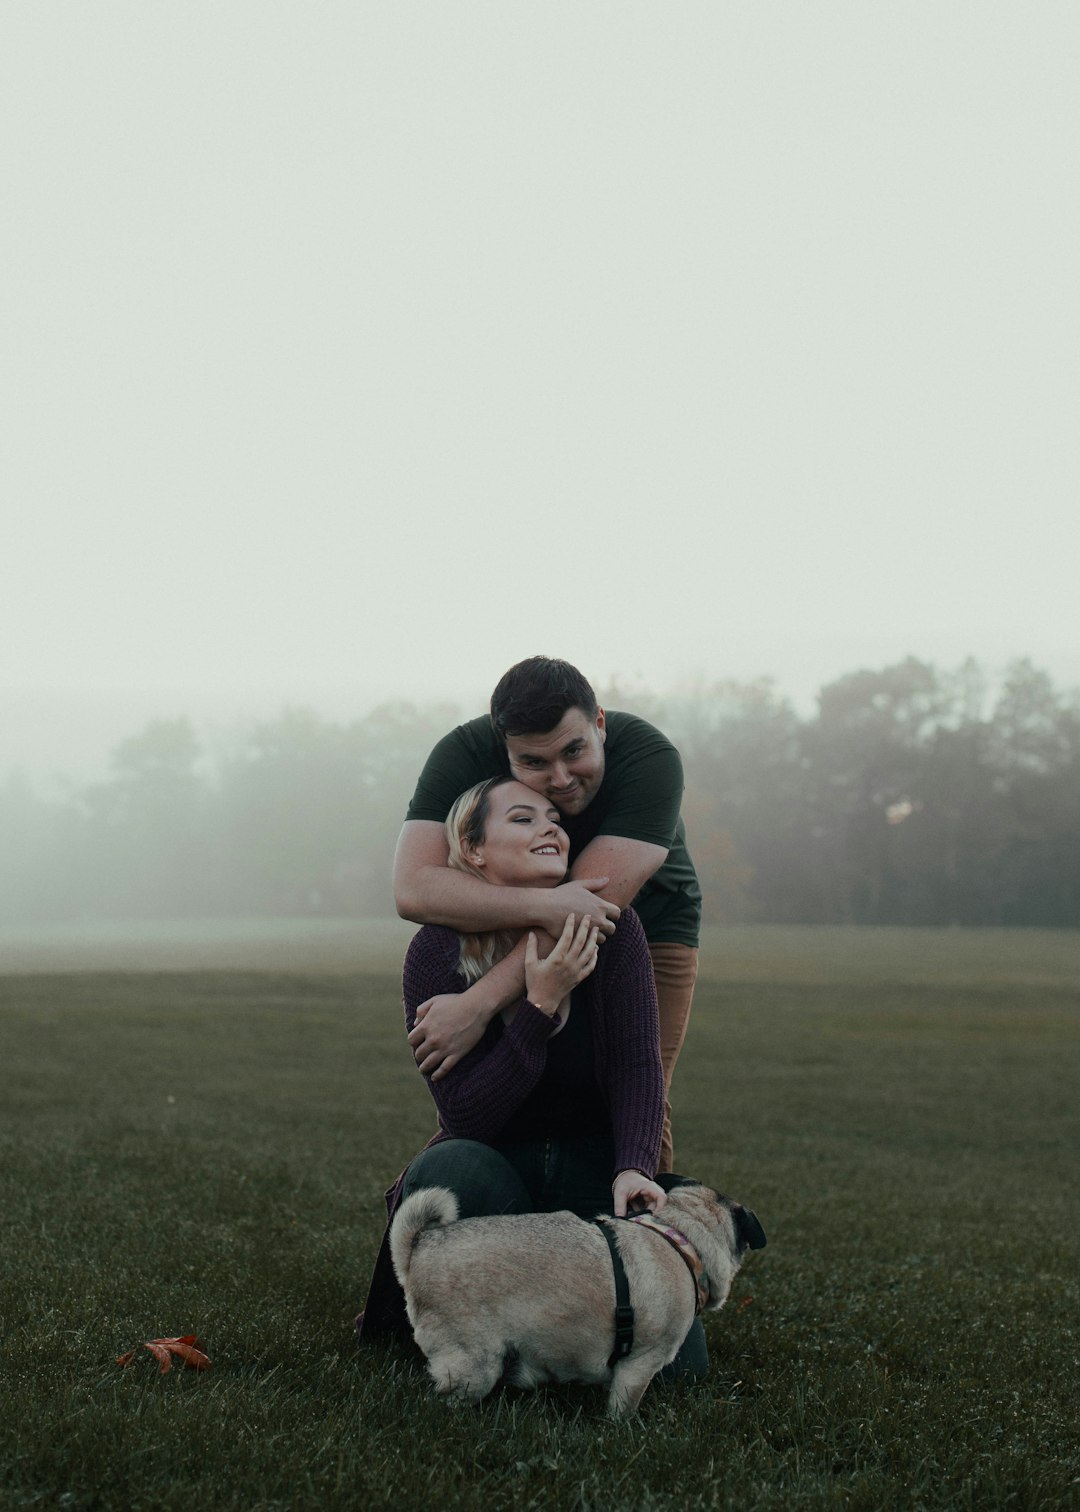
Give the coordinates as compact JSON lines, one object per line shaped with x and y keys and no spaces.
{"x":749,"y":1233}
{"x":721,"y":1230}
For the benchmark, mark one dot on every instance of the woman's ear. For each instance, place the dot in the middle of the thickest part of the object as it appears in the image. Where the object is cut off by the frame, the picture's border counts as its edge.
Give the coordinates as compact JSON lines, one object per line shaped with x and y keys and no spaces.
{"x":476,"y":856}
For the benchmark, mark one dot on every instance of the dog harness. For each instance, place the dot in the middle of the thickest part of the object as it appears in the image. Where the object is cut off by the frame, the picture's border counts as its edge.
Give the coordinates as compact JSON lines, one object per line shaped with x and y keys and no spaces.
{"x":624,"y":1312}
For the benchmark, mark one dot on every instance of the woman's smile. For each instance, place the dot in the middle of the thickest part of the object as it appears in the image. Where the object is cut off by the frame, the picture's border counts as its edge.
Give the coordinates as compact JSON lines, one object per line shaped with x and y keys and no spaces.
{"x":524,"y":844}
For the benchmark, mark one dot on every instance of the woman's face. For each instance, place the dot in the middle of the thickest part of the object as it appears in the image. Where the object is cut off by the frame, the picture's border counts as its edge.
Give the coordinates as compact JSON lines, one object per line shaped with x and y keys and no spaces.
{"x":523,"y":845}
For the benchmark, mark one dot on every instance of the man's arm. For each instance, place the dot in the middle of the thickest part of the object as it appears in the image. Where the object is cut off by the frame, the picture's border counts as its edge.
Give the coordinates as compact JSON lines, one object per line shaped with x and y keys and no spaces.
{"x":447,"y":1026}
{"x":427,"y":891}
{"x":627,"y":865}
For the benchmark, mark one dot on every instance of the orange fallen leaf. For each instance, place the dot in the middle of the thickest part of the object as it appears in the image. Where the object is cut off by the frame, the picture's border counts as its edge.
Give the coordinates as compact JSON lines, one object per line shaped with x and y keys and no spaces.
{"x":161,"y":1354}
{"x":187,"y":1348}
{"x":744,"y":1304}
{"x":184,"y":1346}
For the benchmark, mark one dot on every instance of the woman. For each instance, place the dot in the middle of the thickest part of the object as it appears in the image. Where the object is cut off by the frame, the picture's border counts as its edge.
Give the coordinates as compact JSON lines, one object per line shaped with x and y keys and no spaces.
{"x":565,"y":1090}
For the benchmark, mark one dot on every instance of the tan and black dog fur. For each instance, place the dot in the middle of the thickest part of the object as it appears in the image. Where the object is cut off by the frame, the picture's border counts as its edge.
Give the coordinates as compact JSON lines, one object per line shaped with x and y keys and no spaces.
{"x":531,"y":1298}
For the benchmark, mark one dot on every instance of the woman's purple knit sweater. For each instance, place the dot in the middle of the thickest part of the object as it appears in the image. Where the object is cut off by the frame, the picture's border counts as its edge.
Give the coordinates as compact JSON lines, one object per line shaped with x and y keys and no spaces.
{"x":476,"y":1098}
{"x":486,"y":1086}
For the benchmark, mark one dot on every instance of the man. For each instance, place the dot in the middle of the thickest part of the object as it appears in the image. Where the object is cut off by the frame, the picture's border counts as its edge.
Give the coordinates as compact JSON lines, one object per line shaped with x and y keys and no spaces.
{"x":617,"y":783}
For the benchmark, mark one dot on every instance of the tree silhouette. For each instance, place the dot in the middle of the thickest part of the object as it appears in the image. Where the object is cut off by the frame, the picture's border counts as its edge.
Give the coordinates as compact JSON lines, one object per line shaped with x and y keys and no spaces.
{"x":902,"y":800}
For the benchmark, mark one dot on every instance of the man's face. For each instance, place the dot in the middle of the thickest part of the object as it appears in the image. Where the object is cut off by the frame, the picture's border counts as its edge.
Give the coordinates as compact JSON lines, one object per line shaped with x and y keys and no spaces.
{"x":566,"y":764}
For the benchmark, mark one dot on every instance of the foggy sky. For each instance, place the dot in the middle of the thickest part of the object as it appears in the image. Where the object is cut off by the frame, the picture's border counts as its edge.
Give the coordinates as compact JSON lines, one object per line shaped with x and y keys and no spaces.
{"x":359,"y":349}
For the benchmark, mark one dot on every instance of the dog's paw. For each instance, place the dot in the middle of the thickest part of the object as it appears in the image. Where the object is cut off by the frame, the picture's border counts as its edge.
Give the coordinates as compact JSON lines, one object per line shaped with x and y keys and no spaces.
{"x":465,"y":1382}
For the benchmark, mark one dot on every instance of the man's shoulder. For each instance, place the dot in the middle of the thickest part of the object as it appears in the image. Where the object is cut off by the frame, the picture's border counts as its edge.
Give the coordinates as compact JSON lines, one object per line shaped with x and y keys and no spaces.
{"x":475,"y":738}
{"x":635,"y":751}
{"x":629,"y":734}
{"x":465,"y":755}
{"x":471,"y":749}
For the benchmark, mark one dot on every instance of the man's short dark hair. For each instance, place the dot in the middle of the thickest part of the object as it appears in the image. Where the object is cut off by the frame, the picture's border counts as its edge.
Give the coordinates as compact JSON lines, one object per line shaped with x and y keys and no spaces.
{"x":534,"y":695}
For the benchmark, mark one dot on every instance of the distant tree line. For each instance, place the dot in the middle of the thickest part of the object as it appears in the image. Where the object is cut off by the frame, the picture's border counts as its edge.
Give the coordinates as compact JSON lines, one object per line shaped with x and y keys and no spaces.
{"x":911,"y":796}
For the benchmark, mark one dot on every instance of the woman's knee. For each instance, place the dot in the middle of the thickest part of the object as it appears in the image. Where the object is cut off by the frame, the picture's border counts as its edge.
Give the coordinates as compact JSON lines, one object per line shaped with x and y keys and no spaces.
{"x":481,"y":1179}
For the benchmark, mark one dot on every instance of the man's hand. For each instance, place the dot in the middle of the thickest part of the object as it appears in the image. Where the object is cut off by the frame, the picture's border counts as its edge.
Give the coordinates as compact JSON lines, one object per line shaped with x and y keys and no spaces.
{"x":582,"y":899}
{"x":447,"y":1027}
{"x":629,"y":1185}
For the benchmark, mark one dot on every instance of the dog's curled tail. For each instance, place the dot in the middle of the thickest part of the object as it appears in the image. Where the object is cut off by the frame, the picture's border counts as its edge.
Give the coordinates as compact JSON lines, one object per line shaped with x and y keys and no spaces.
{"x":424,"y":1209}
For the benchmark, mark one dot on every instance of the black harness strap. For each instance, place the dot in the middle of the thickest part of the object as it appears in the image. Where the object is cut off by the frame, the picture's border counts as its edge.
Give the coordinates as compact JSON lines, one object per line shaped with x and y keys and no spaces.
{"x":624,"y":1313}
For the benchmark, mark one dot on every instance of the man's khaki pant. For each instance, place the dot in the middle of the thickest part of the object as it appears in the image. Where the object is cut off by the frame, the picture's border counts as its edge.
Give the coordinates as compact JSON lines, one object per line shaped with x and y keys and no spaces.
{"x":675,"y":970}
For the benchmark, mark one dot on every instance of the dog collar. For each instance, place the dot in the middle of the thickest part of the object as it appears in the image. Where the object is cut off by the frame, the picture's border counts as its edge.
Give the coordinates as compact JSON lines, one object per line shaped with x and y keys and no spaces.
{"x":681,"y":1244}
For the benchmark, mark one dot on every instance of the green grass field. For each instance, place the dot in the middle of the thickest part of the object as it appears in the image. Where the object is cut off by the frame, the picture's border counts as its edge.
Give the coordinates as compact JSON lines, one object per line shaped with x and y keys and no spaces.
{"x":206,"y":1150}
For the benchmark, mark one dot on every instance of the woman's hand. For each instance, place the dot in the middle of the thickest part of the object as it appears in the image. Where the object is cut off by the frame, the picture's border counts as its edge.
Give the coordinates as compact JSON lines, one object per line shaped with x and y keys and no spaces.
{"x":631,"y":1184}
{"x":548,"y":981}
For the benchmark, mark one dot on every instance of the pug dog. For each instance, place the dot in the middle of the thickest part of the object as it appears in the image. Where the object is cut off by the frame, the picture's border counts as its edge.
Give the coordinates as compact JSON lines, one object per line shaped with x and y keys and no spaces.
{"x":531,"y":1298}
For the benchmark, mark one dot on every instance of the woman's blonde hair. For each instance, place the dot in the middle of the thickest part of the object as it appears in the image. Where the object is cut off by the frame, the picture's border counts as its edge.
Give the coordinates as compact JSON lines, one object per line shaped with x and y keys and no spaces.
{"x":466,"y":824}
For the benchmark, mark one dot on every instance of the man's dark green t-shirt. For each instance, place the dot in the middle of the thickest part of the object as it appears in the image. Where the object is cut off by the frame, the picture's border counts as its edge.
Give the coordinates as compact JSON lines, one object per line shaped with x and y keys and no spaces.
{"x":639,"y":799}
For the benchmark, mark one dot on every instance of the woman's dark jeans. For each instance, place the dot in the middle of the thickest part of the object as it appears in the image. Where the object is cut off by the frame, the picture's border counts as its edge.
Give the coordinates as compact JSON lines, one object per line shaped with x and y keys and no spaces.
{"x":541,"y":1176}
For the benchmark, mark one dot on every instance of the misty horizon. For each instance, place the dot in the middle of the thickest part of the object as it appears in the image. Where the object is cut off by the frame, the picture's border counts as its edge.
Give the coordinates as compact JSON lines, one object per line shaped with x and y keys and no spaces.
{"x":59,"y":736}
{"x":912,"y":795}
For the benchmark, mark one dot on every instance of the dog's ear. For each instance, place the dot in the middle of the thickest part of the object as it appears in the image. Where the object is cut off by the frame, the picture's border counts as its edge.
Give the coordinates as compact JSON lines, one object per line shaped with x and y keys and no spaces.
{"x":750,"y":1232}
{"x":669,"y":1181}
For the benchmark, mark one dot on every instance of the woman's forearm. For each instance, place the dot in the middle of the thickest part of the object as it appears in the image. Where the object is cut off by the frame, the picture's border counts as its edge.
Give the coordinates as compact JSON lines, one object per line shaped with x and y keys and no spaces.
{"x":635,"y":1076}
{"x":486,"y":1088}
